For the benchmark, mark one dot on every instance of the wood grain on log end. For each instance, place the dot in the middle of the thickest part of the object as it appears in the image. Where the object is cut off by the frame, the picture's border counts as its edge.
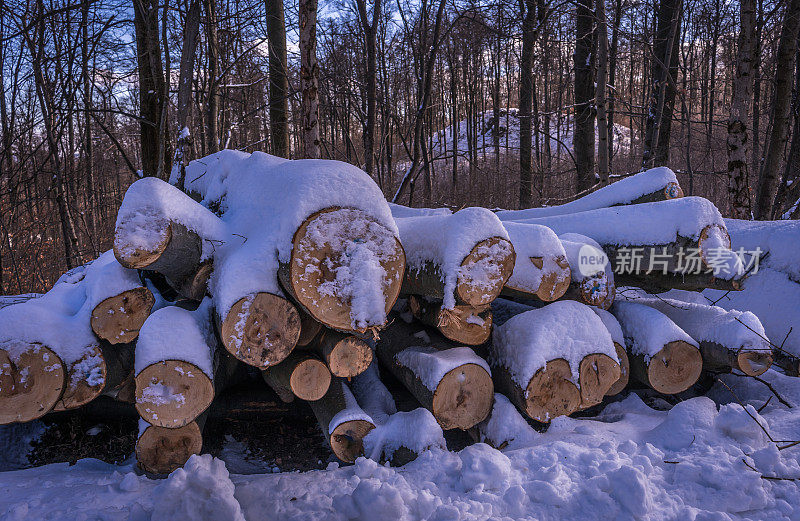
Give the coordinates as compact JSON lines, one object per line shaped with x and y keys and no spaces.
{"x":310,"y":379}
{"x":160,"y":450}
{"x":346,"y":357}
{"x":674,"y":368}
{"x":86,"y":379}
{"x":597,"y":373}
{"x":624,"y":371}
{"x":118,"y":319}
{"x":31,"y":383}
{"x":347,"y":439}
{"x":463,"y":397}
{"x":551,"y":393}
{"x":172,"y":393}
{"x":261,"y":330}
{"x":495,"y":257}
{"x":555,"y":283}
{"x":754,"y":363}
{"x":138,"y":258}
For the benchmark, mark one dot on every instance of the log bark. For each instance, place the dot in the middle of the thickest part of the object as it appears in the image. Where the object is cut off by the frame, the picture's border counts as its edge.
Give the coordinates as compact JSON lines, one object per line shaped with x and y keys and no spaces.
{"x":465,"y":325}
{"x":346,"y":436}
{"x":345,"y":355}
{"x":311,"y":266}
{"x":461,"y":399}
{"x":309,"y":329}
{"x":102,"y":370}
{"x":260,"y":330}
{"x":301,"y":375}
{"x":32,"y":379}
{"x":159,"y":451}
{"x":548,"y":394}
{"x":786,"y":361}
{"x":118,"y":319}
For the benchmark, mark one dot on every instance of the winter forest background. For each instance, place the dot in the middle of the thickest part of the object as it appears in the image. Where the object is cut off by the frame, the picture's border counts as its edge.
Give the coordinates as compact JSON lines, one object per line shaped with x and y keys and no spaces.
{"x":443,"y":102}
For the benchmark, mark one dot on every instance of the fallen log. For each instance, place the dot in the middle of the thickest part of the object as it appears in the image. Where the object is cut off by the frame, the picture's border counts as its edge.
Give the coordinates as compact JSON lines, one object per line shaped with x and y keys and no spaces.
{"x":453,"y":383}
{"x":101,"y":370}
{"x":541,"y":269}
{"x":174,"y":366}
{"x":462,"y":324}
{"x":537,"y":357}
{"x":161,"y":229}
{"x":260,"y":329}
{"x":505,"y":427}
{"x":728,"y":339}
{"x":662,"y":355}
{"x":345,"y":355}
{"x":32,"y":378}
{"x":464,"y":258}
{"x":592,"y":280}
{"x":159,"y":450}
{"x":656,"y":184}
{"x":615,"y":330}
{"x":786,"y":361}
{"x":342,"y":421}
{"x":685,"y":237}
{"x":301,"y":375}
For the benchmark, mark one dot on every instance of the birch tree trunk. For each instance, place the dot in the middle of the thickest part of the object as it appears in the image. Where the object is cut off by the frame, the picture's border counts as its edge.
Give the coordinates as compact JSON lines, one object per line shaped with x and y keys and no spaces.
{"x":309,"y":77}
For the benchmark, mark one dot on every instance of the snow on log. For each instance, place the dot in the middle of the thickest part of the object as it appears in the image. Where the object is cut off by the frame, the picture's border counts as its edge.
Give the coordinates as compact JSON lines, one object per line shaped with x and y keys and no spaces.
{"x":453,"y":383}
{"x":174,"y":366}
{"x":160,"y":228}
{"x":615,"y":330}
{"x":592,"y":282}
{"x":680,"y":243}
{"x":505,"y":427}
{"x":463,"y":258}
{"x":541,"y":269}
{"x":656,"y":184}
{"x":463,"y":324}
{"x":728,"y":339}
{"x":300,"y":374}
{"x":399,"y":211}
{"x":662,"y":355}
{"x":160,"y":450}
{"x":345,"y":355}
{"x":538,"y":355}
{"x":322,"y":226}
{"x":398,"y":437}
{"x":102,"y":370}
{"x":32,"y":378}
{"x":342,"y":421}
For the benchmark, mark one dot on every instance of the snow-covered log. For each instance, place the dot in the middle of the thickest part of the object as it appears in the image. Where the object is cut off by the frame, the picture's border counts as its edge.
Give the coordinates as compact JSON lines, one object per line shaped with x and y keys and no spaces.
{"x":300,"y":374}
{"x":32,"y":379}
{"x":656,"y":184}
{"x":679,"y":243}
{"x":615,"y":330}
{"x":174,"y":366}
{"x":453,"y":383}
{"x":160,"y":450}
{"x":345,"y":355}
{"x":662,"y":355}
{"x":505,"y":427}
{"x":463,"y":324}
{"x":537,"y":359}
{"x":103,"y":370}
{"x":398,"y":437}
{"x":463,"y":258}
{"x":160,"y":228}
{"x":728,"y":339}
{"x":118,"y":318}
{"x":541,"y":269}
{"x":591,"y":283}
{"x":342,"y":421}
{"x":399,"y":211}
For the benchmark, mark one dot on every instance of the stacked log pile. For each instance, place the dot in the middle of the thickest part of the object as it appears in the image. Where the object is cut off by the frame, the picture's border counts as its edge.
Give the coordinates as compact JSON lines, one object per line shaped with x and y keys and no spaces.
{"x":300,"y":278}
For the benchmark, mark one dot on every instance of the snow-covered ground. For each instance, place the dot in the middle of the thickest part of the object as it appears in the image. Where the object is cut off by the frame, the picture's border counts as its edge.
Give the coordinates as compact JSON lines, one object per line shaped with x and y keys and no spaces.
{"x":701,"y":460}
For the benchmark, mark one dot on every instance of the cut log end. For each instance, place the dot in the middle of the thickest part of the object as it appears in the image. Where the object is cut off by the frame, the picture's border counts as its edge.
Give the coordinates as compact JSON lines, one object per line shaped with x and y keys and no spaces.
{"x":672,"y":191}
{"x":261,"y":330}
{"x":86,"y":379}
{"x":347,"y":439}
{"x":118,"y":319}
{"x":597,"y":291}
{"x":31,"y":381}
{"x":172,"y":393}
{"x":349,"y":357}
{"x":624,"y":371}
{"x":312,"y":275}
{"x":463,"y":397}
{"x":484,"y":271}
{"x":310,"y":379}
{"x":675,"y":368}
{"x":555,"y":283}
{"x":551,"y":393}
{"x":141,"y":258}
{"x":754,"y":363}
{"x":160,"y":450}
{"x":597,"y":373}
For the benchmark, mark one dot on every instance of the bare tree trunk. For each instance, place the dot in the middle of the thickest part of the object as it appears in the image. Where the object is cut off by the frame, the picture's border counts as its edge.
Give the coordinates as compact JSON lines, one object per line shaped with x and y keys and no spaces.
{"x":583,"y":141}
{"x":370,"y":80}
{"x":612,"y":69}
{"x":151,"y":83}
{"x":212,"y":100}
{"x":91,"y":196}
{"x":784,"y":69}
{"x":529,"y":31}
{"x":789,"y":190}
{"x":600,"y":97}
{"x":278,"y":79}
{"x":183,"y":148}
{"x":309,"y":78}
{"x":738,"y":134}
